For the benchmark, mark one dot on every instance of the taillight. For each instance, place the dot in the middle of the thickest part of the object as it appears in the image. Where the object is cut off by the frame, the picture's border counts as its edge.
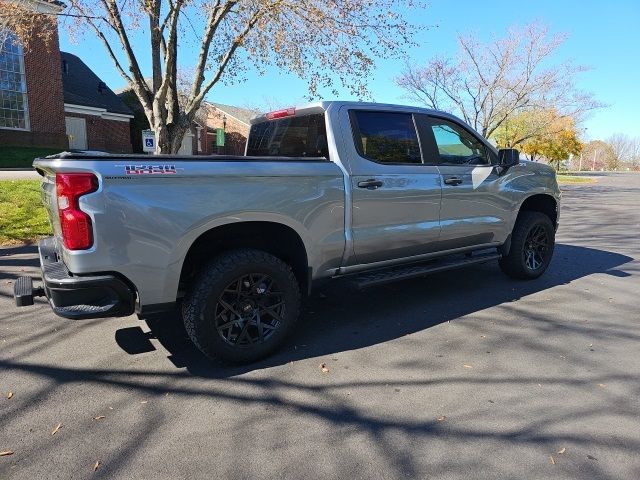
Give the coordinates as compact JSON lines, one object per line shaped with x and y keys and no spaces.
{"x":76,"y":225}
{"x":287,"y":112}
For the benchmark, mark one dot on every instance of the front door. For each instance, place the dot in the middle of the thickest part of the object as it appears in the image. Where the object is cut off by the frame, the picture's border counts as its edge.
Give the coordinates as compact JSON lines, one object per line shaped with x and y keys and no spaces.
{"x":473,"y":212}
{"x":396,"y":196}
{"x":186,"y":148}
{"x":76,"y":132}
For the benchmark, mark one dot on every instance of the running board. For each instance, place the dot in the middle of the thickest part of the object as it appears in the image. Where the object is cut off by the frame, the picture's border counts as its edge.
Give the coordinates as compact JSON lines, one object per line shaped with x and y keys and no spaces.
{"x":380,"y":277}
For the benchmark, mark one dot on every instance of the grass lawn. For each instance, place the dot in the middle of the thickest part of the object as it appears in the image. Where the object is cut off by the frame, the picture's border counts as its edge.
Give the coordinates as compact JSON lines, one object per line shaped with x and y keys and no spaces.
{"x":22,"y":157}
{"x":23,"y":219}
{"x":564,"y":179}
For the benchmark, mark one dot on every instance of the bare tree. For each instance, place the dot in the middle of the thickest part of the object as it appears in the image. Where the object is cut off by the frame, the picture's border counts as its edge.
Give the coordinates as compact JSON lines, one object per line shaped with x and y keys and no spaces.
{"x":326,"y":42}
{"x":488,"y":83}
{"x":635,"y":153}
{"x":622,"y":150}
{"x":596,"y":155}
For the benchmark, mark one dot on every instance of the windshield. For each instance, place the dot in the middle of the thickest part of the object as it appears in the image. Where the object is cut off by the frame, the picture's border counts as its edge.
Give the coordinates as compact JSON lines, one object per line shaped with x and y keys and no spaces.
{"x":303,"y":136}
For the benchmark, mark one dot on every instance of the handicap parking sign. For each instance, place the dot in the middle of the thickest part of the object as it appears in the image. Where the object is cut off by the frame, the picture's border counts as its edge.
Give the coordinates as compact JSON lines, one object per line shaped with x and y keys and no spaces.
{"x":148,"y":141}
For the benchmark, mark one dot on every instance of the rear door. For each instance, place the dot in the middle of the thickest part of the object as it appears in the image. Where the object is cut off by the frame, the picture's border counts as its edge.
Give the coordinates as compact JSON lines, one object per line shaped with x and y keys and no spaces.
{"x":472,"y":212}
{"x":395,"y":194}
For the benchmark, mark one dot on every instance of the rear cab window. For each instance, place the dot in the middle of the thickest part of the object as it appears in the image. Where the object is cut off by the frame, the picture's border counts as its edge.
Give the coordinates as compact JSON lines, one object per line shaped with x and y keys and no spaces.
{"x":386,"y":137}
{"x":302,"y":136}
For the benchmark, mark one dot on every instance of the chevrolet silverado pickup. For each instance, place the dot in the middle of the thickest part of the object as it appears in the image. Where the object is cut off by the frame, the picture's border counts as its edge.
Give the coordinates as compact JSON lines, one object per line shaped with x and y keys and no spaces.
{"x":372,"y":192}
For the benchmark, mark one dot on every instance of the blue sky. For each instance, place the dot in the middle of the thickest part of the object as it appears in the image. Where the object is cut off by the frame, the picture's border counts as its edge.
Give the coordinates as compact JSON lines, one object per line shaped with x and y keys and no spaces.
{"x":602,"y":35}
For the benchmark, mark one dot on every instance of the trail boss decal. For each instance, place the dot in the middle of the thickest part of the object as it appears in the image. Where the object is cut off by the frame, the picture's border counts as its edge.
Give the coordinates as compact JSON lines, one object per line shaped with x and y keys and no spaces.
{"x":149,"y":169}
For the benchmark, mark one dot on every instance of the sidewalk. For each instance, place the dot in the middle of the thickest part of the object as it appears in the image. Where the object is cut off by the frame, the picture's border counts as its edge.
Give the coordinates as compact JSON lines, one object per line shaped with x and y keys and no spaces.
{"x":6,"y":174}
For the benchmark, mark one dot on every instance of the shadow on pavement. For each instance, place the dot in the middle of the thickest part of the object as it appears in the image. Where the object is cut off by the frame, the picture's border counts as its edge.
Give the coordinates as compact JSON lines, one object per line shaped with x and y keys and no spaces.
{"x":338,"y":318}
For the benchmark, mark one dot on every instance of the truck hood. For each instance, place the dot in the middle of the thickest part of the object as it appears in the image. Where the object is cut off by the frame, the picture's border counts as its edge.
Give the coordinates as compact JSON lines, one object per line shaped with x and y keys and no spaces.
{"x":537,"y":166}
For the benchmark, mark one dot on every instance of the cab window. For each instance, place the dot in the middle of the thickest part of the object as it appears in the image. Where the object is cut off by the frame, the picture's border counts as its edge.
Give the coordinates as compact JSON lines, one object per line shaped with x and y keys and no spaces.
{"x":303,"y":136}
{"x":386,"y":137}
{"x":456,"y":146}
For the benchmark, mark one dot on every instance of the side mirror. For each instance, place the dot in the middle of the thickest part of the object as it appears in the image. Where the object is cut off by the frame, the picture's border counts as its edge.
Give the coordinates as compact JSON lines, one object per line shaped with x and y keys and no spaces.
{"x":508,"y":157}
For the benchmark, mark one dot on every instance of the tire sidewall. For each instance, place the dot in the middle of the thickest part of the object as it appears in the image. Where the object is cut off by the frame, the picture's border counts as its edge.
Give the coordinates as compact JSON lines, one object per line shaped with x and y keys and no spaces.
{"x":213,"y":343}
{"x":544,"y":222}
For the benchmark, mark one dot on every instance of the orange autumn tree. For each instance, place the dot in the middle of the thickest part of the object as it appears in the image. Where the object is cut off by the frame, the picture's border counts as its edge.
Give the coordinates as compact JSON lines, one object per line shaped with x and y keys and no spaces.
{"x":558,"y":144}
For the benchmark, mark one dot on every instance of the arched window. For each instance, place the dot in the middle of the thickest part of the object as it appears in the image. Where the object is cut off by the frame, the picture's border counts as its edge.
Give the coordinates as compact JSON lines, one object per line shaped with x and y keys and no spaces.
{"x":13,"y":85}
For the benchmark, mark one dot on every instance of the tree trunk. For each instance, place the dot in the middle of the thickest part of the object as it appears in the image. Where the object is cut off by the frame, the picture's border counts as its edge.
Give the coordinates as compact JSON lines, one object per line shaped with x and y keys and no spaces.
{"x":169,"y":137}
{"x":163,"y":140}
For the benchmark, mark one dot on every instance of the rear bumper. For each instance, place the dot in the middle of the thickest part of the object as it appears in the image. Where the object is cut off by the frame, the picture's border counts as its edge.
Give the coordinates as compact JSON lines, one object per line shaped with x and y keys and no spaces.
{"x":80,"y":297}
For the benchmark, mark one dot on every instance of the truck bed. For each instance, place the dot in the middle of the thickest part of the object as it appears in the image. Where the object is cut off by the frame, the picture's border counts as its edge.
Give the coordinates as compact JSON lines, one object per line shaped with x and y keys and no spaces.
{"x":148,"y":210}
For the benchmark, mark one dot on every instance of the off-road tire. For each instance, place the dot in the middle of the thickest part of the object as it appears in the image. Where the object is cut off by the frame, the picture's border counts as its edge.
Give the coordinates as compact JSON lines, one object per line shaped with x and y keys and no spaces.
{"x":202,"y":301}
{"x":514,"y":263}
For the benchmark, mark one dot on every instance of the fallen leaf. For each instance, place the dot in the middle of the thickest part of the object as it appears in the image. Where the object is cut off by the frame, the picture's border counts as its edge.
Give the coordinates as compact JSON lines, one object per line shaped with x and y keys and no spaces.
{"x":323,"y":368}
{"x":441,"y":418}
{"x":551,"y":460}
{"x":144,"y":401}
{"x":561,"y":451}
{"x":55,"y":430}
{"x":491,"y":401}
{"x":4,"y":453}
{"x":96,"y":465}
{"x":591,"y":457}
{"x":99,"y":417}
{"x":467,"y":366}
{"x":9,"y":395}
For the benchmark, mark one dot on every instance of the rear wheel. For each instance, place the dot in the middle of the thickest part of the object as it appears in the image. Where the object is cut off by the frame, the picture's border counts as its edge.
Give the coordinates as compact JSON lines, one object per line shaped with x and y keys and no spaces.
{"x":532,"y":244}
{"x":242,"y":306}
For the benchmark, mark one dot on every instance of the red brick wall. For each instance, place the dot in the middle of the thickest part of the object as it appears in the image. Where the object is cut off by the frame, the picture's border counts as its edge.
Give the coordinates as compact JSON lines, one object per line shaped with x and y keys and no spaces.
{"x":42,"y":64}
{"x":106,"y":135}
{"x":236,"y":134}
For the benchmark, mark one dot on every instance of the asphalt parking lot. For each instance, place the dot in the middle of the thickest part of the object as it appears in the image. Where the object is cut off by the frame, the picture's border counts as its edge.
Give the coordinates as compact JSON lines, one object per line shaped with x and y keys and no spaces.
{"x":461,"y":375}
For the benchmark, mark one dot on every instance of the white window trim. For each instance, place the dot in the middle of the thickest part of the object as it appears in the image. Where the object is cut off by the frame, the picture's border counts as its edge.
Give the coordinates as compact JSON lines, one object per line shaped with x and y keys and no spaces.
{"x":97,"y":112}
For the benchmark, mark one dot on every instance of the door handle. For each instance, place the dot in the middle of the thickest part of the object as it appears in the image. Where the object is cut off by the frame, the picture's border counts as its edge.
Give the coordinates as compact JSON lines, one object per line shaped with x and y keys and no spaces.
{"x":371,"y":184}
{"x":453,"y":181}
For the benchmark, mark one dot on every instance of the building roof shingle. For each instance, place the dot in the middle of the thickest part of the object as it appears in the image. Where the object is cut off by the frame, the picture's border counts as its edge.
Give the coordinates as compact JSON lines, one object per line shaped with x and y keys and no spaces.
{"x":83,"y":87}
{"x":242,"y":114}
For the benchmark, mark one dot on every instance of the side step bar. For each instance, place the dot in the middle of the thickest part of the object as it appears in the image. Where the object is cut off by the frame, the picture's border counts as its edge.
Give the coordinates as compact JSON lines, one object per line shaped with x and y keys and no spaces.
{"x":380,"y":277}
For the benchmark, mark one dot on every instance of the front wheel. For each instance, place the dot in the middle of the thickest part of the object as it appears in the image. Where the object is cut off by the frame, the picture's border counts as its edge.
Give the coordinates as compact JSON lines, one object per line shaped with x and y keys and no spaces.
{"x":532,"y":244}
{"x":242,"y":306}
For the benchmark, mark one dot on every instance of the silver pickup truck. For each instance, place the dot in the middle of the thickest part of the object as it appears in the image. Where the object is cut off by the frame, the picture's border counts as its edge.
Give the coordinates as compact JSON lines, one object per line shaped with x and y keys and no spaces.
{"x":372,"y":192}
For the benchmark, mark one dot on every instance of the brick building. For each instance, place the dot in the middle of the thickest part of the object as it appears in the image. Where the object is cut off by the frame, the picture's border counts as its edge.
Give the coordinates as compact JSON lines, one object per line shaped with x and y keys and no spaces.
{"x":201,"y":138}
{"x":52,"y":99}
{"x":95,"y":117}
{"x":234,"y":121}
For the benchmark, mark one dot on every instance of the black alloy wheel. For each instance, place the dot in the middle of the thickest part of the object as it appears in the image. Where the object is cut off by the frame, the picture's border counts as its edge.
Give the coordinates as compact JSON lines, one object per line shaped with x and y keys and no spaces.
{"x":536,"y":247}
{"x":249,"y":310}
{"x":241,"y":306}
{"x":532,"y":245}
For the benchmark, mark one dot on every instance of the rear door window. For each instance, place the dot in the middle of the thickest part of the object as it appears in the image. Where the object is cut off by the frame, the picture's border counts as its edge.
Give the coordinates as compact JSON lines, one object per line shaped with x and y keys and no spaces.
{"x":386,"y":137}
{"x":303,"y":136}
